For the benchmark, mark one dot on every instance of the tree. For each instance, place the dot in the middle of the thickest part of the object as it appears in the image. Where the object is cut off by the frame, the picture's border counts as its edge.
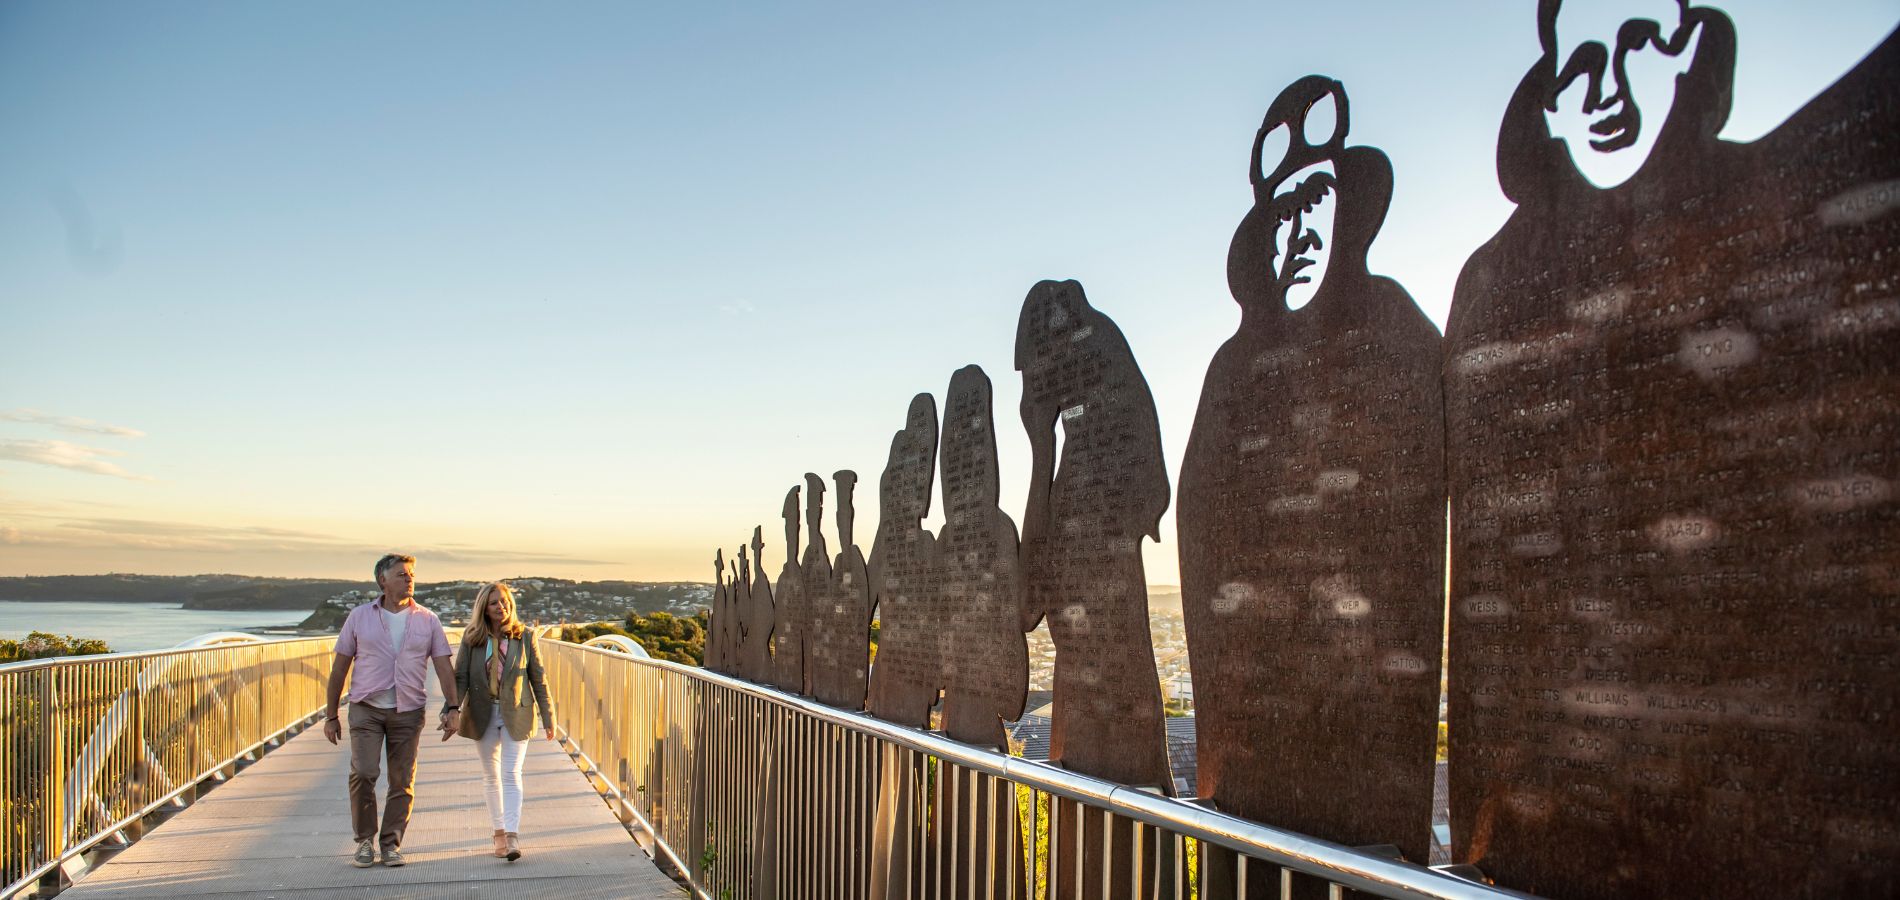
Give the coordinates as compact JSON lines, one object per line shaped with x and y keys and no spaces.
{"x":44,"y":645}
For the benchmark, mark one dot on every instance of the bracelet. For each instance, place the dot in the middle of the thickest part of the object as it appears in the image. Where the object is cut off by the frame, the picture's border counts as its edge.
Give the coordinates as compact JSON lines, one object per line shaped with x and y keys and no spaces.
{"x":449,"y":709}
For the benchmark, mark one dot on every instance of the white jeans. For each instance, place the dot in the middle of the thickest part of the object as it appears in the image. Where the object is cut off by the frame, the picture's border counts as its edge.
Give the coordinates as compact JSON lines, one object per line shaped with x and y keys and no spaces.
{"x":502,"y":756}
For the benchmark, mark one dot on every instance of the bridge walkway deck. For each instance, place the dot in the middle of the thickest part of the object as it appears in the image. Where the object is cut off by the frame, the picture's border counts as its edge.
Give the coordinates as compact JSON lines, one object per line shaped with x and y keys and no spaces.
{"x":281,"y":829}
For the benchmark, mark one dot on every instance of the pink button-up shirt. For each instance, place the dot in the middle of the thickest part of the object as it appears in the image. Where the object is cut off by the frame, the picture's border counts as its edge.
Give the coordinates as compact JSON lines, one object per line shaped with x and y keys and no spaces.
{"x":379,"y":666}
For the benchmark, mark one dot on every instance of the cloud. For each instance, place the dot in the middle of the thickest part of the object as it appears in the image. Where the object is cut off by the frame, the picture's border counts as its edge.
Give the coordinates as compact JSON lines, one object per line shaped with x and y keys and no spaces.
{"x":163,"y":536}
{"x":68,"y":423}
{"x":737,"y":308}
{"x":64,"y":455}
{"x":506,"y":556}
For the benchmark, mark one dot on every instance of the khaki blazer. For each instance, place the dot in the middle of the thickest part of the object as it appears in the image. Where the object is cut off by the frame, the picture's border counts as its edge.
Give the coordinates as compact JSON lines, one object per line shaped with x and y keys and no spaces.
{"x":516,"y":704}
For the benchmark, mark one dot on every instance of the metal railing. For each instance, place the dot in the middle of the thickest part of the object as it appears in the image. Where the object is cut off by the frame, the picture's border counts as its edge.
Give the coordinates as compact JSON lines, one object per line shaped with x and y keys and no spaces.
{"x":89,"y":745}
{"x":755,"y":793}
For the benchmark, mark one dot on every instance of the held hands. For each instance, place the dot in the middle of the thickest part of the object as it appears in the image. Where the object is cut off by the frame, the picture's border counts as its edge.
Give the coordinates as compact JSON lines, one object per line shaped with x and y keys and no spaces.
{"x":547,"y":733}
{"x":450,"y":721}
{"x":332,"y":730}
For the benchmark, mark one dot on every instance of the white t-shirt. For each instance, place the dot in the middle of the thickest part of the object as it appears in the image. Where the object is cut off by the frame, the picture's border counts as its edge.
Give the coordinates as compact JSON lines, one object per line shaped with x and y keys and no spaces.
{"x":398,"y":625}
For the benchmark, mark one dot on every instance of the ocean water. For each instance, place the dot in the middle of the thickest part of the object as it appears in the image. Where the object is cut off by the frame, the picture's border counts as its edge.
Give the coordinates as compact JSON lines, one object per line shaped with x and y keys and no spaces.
{"x":133,"y":626}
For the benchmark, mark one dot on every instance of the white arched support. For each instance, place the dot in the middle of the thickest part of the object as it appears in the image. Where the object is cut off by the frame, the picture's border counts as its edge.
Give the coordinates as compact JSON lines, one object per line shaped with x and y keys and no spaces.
{"x":218,"y":639}
{"x":620,"y":644}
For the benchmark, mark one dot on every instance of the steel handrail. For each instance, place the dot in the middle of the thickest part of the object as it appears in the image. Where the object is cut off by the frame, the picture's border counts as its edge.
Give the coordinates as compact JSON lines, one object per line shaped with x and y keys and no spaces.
{"x":63,"y":793}
{"x":1334,"y":862}
{"x":26,"y":665}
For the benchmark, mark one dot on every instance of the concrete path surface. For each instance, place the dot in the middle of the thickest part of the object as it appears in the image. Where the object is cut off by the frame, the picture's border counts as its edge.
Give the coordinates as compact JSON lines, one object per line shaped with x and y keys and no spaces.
{"x":281,"y":828}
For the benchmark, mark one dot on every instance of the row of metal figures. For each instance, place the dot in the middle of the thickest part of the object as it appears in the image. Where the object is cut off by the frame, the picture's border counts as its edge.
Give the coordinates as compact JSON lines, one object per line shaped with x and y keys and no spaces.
{"x":1664,"y":410}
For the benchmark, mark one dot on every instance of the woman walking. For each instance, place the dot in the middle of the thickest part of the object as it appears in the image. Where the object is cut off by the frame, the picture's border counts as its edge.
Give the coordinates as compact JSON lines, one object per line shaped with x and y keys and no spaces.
{"x":498,"y":654}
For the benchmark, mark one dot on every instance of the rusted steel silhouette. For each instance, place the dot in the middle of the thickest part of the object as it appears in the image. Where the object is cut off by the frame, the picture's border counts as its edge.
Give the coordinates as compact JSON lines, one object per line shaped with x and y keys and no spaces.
{"x":739,"y":598}
{"x":1671,"y":410}
{"x":906,"y":575}
{"x":986,"y":660}
{"x":720,"y":623}
{"x":841,"y":635}
{"x":814,"y":586}
{"x":1311,"y":514}
{"x":756,"y":618}
{"x":980,"y":635}
{"x":1081,"y":552}
{"x":907,"y":674}
{"x":791,"y":608}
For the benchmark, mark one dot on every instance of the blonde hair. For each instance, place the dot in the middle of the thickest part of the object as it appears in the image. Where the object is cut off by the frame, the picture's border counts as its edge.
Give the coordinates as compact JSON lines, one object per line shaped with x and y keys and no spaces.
{"x":476,"y":634}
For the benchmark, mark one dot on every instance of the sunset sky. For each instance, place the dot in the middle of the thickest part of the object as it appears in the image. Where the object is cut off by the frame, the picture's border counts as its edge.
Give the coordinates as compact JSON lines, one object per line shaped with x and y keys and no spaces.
{"x":581,"y":289}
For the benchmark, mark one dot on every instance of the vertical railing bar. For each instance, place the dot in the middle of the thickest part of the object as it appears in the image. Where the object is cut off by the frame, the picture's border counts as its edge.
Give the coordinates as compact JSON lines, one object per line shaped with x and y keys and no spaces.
{"x":1081,"y":826}
{"x":972,"y":790}
{"x":826,"y":860}
{"x":730,"y":701}
{"x":712,"y":795}
{"x":991,"y":787}
{"x":1027,"y":850}
{"x":948,"y":818}
{"x":1180,"y":866}
{"x":936,"y":821}
{"x":816,"y":859}
{"x":819,"y":859}
{"x":868,"y":759}
{"x":807,"y":742}
{"x":902,"y":775}
{"x":781,"y":737}
{"x":1136,"y":862}
{"x":970,"y":787}
{"x":728,"y":723}
{"x":1052,"y":864}
{"x":755,"y":788}
{"x":1003,"y":846}
{"x":860,"y":805}
{"x":841,"y":751}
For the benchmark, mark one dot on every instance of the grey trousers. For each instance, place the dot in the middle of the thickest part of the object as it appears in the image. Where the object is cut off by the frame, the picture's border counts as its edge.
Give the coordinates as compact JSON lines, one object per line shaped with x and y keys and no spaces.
{"x":374,"y":731}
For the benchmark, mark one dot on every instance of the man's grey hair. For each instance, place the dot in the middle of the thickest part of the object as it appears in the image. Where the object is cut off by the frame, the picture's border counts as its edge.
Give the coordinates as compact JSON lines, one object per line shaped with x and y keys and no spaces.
{"x":390,"y":561}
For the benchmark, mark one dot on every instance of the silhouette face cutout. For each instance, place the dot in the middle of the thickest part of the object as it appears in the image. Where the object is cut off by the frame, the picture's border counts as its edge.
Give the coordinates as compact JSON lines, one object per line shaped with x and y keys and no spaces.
{"x":1605,"y":55}
{"x":1300,"y":191}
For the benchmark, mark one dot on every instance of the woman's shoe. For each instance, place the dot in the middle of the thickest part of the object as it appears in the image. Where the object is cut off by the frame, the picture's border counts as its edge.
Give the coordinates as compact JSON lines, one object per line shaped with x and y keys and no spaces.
{"x":514,"y":849}
{"x":501,"y":844}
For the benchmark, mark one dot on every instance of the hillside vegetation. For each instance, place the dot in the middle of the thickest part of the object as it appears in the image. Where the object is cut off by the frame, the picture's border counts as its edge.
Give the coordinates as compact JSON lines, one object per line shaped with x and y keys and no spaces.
{"x":680,"y":639}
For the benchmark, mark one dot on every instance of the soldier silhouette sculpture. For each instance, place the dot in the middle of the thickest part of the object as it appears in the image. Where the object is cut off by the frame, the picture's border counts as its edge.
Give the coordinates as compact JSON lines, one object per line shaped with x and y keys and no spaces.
{"x":1671,"y":402}
{"x":756,"y":616}
{"x":1311,"y":508}
{"x":979,"y":633}
{"x":792,"y":609}
{"x":906,"y":574}
{"x":1081,"y":551}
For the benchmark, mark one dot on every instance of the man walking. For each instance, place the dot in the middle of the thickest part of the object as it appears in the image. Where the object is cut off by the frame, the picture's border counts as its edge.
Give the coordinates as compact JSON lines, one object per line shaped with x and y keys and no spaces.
{"x":394,"y":639}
